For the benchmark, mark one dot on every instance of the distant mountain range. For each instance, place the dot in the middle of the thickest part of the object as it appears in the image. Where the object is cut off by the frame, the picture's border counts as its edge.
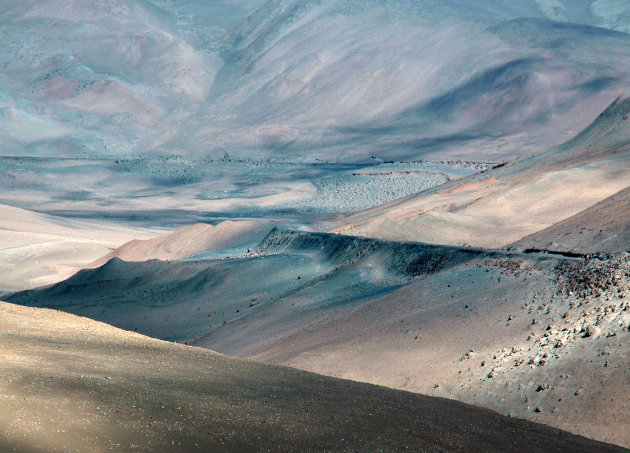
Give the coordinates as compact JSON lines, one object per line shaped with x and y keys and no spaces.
{"x":328,"y":79}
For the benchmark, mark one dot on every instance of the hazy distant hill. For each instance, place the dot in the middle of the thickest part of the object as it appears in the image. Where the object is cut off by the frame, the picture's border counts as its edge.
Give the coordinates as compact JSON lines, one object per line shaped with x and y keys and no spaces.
{"x":327,"y":78}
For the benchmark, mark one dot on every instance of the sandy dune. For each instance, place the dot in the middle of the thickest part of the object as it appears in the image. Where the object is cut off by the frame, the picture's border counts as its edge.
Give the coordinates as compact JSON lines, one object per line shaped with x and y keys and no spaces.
{"x":402,"y":315}
{"x":73,"y":384}
{"x":38,"y":249}
{"x":603,"y":228}
{"x":188,"y":241}
{"x":504,"y":204}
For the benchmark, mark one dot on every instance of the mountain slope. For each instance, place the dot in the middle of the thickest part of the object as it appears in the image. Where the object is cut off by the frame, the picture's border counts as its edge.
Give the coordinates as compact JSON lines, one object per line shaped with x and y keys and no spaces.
{"x":602,"y":228}
{"x":71,"y":383}
{"x":114,"y":111}
{"x":284,"y":78}
{"x":499,"y":206}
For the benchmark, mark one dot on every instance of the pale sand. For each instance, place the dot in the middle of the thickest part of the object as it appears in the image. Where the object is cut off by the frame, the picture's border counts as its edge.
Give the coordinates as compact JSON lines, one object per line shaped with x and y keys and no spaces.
{"x":492,"y":214}
{"x":504,"y":204}
{"x":188,"y":241}
{"x":38,"y":249}
{"x":602,"y":228}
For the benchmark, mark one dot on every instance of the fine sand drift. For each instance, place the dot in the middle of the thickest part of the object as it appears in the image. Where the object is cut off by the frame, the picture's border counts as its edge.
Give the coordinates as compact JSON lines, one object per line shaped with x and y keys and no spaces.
{"x":602,"y":228}
{"x":38,"y":249}
{"x":188,"y":241}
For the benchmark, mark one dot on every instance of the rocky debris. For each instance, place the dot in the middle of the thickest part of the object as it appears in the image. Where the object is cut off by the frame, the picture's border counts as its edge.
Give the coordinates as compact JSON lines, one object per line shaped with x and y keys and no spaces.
{"x":593,"y":276}
{"x":509,"y":266}
{"x":351,"y":191}
{"x":586,"y":301}
{"x":590,"y":331}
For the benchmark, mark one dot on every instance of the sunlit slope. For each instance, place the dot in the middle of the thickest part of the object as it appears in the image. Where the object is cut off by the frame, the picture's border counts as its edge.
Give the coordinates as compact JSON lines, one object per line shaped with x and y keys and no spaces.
{"x":38,"y":249}
{"x":190,"y":240}
{"x":504,"y":204}
{"x":602,"y":228}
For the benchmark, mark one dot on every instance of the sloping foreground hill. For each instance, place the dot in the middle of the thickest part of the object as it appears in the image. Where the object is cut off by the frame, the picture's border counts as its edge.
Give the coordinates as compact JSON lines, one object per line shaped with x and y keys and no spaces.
{"x":73,"y":384}
{"x":484,"y":327}
{"x":506,"y":203}
{"x":603,"y":228}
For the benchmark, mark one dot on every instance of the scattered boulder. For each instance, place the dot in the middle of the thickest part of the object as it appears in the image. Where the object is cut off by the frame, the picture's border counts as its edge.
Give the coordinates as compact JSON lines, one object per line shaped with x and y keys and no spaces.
{"x":590,"y":331}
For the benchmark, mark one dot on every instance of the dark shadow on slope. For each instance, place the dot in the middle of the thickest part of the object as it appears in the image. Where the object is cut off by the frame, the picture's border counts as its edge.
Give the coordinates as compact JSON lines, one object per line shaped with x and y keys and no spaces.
{"x":183,"y":300}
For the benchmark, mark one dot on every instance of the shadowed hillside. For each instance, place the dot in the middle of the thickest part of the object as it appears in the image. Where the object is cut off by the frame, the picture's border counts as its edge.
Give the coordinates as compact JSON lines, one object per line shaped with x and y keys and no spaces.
{"x":183,"y":300}
{"x":486,"y":327}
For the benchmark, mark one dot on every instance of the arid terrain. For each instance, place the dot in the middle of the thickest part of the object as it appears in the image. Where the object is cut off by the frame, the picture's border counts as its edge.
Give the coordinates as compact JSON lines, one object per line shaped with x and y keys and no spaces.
{"x":554,"y":348}
{"x":503,"y":204}
{"x":315,"y":226}
{"x":71,"y":384}
{"x":601,"y":228}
